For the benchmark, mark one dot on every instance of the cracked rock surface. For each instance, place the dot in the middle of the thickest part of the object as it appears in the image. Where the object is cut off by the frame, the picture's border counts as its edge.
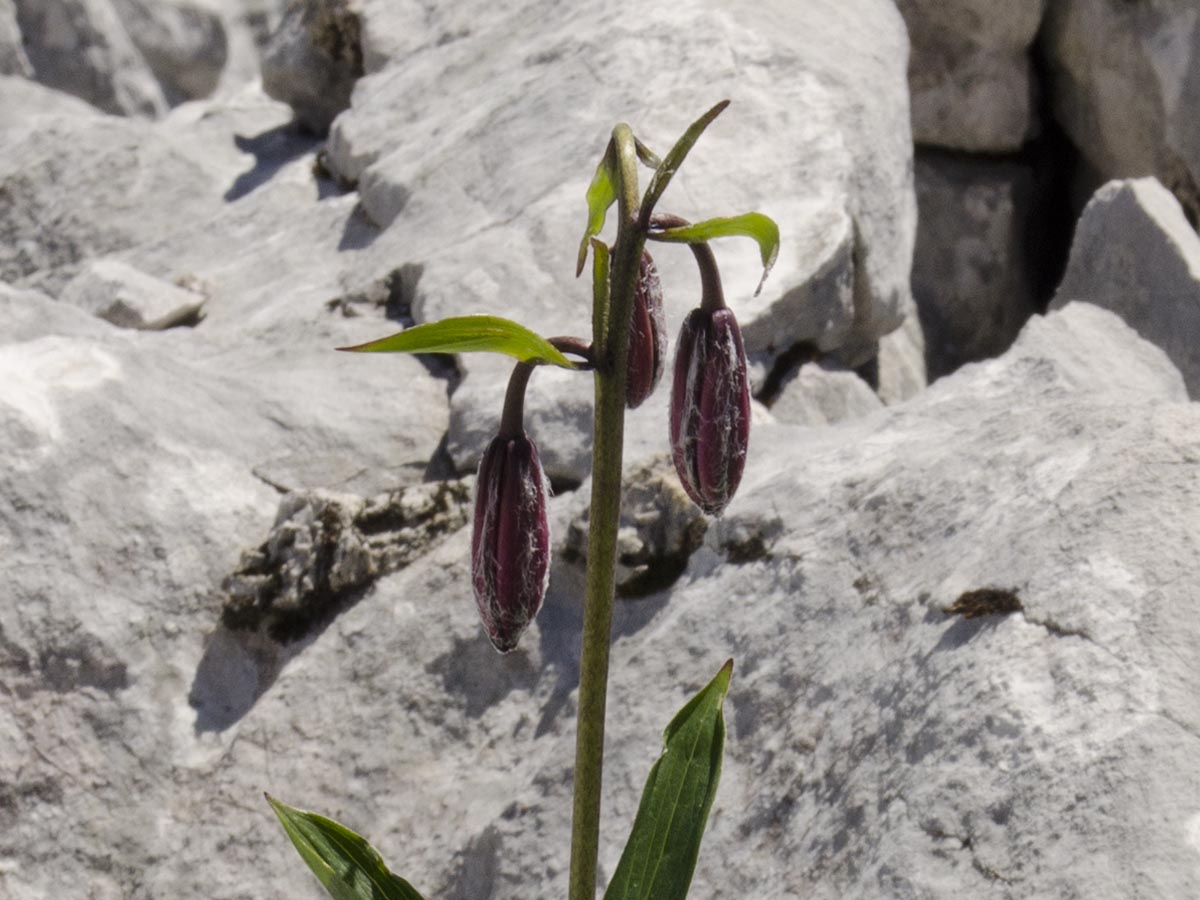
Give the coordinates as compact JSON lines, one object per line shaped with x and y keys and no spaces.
{"x":234,"y":560}
{"x":875,"y":738}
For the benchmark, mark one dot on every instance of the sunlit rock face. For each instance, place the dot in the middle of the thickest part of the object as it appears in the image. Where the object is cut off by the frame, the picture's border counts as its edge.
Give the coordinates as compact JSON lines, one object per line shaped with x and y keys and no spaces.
{"x":237,"y":561}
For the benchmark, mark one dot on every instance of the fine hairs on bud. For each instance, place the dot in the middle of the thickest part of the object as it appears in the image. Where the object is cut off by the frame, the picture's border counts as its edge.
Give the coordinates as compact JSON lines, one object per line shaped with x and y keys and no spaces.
{"x":710,"y":408}
{"x":510,"y":545}
{"x":647,"y":336}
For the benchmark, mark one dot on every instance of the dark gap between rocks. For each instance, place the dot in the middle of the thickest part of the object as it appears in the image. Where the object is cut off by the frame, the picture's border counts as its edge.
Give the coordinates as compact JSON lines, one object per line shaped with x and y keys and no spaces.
{"x":785,"y":364}
{"x":1056,"y":166}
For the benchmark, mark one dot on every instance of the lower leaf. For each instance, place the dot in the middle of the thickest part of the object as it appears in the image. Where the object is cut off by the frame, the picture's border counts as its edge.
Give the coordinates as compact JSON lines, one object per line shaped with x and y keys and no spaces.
{"x":347,"y":866}
{"x":664,"y":844}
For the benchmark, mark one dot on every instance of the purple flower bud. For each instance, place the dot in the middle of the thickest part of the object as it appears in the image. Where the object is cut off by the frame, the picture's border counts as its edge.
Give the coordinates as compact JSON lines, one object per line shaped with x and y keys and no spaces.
{"x":710,"y":408}
{"x":647,"y":336}
{"x":510,"y":548}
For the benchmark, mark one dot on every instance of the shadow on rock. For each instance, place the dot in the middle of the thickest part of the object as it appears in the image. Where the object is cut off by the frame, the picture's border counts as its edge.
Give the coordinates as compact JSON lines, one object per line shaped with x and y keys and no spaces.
{"x":272,"y":150}
{"x":359,"y":232}
{"x":474,"y":672}
{"x":237,"y":668}
{"x":321,"y":557}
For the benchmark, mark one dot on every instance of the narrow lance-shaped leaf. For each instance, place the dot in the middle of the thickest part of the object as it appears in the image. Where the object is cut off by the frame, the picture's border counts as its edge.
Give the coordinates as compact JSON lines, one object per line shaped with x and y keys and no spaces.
{"x":660,"y":856}
{"x":466,"y":334}
{"x":601,"y":194}
{"x":345,"y":864}
{"x":753,"y":224}
{"x":648,"y":157}
{"x":674,"y":159}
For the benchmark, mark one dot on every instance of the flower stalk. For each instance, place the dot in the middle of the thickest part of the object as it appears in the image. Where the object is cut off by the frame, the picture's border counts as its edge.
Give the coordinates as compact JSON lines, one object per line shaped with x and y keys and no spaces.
{"x":612,"y":341}
{"x":510,"y":547}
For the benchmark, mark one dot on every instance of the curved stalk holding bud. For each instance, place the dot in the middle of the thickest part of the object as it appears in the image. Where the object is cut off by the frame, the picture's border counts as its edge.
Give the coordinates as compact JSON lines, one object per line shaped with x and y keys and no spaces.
{"x":576,"y":346}
{"x":712,"y":295}
{"x":512,"y":419}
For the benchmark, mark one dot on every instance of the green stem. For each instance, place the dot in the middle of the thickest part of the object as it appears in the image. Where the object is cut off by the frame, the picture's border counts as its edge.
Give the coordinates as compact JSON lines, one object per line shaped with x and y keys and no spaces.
{"x":612,"y":349}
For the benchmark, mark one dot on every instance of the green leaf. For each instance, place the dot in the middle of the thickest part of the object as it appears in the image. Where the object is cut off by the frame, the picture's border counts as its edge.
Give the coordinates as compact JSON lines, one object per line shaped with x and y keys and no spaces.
{"x":466,"y":334}
{"x":648,"y":157}
{"x":663,"y":846}
{"x":601,"y":194}
{"x":345,"y":863}
{"x":762,"y":228}
{"x":674,"y":159}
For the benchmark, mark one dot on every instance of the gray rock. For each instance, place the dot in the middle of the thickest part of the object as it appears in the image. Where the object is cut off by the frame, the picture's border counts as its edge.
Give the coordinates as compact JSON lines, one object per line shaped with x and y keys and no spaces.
{"x":900,"y":369}
{"x":395,"y":29}
{"x":874,"y":739}
{"x":22,"y":100}
{"x":248,"y":26}
{"x":493,"y":230}
{"x":516,"y":82}
{"x":1135,"y":254}
{"x":971,"y":74}
{"x":314,"y":59}
{"x":182,"y":41}
{"x":13,"y":60}
{"x":325,"y":546}
{"x":972,"y":277}
{"x":1126,"y":84}
{"x":83,"y":48}
{"x":120,"y":294}
{"x":659,"y":531}
{"x":821,"y":394}
{"x":74,"y":187}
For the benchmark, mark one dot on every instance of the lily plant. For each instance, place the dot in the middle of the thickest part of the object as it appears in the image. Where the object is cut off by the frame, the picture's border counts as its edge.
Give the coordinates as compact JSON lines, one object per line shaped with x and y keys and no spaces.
{"x":510,"y":549}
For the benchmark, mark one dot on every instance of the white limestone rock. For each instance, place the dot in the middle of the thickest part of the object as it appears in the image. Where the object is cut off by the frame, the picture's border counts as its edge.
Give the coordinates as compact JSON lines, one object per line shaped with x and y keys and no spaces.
{"x":120,"y":294}
{"x":821,"y":393}
{"x":73,"y":187}
{"x":474,"y":148}
{"x":314,"y":59}
{"x":873,"y":739}
{"x":82,"y":47}
{"x":22,"y":100}
{"x":1126,"y":84}
{"x":474,"y":145}
{"x":900,"y":368}
{"x":1135,"y":254}
{"x":971,"y":73}
{"x":184,"y":42}
{"x":972,"y":277}
{"x":13,"y":60}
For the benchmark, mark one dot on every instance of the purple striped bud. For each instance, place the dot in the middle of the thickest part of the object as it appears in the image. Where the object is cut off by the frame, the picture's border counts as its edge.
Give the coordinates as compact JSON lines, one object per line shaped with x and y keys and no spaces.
{"x":510,"y":548}
{"x":710,"y":408}
{"x":647,"y":336}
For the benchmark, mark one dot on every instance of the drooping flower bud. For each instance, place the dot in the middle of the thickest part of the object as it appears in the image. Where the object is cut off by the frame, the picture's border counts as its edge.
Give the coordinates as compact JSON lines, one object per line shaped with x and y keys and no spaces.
{"x":647,"y":336}
{"x":510,"y":548}
{"x":710,"y":408}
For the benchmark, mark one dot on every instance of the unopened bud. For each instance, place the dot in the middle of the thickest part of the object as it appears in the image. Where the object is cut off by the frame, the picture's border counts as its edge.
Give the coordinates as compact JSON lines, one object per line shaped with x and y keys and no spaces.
{"x":647,"y":336}
{"x":710,"y":408}
{"x":510,"y":548}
